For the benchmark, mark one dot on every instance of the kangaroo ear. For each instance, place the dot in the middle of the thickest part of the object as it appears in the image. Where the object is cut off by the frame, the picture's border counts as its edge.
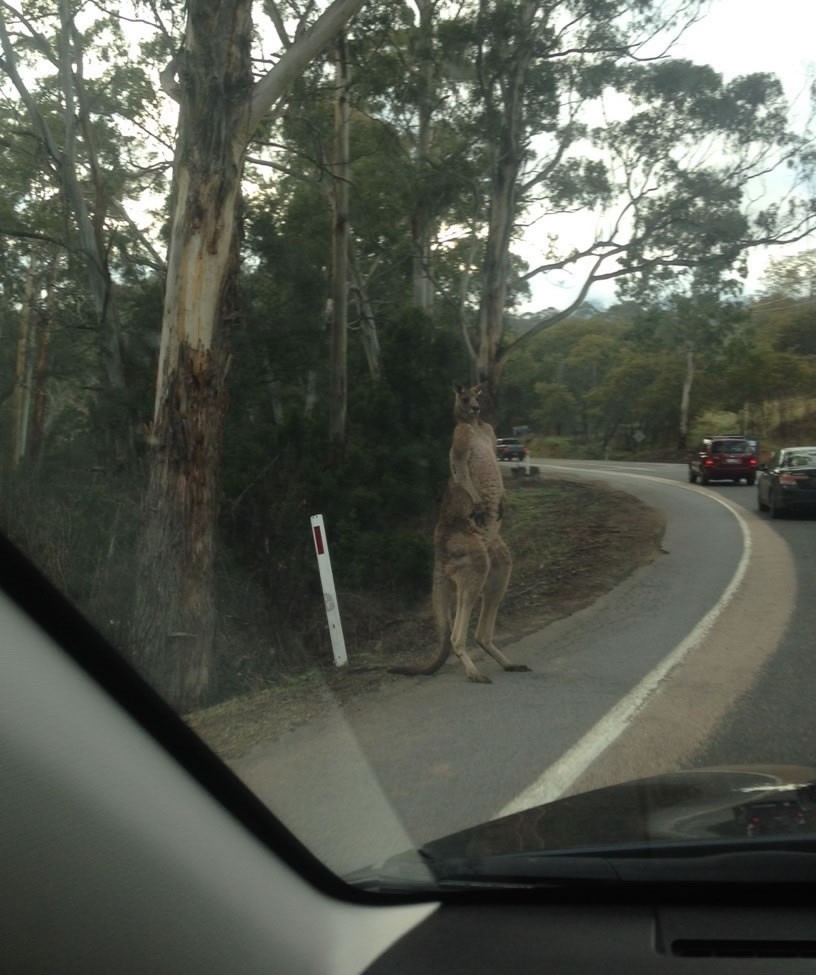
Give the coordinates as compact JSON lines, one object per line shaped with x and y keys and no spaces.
{"x":477,"y":390}
{"x":458,"y":388}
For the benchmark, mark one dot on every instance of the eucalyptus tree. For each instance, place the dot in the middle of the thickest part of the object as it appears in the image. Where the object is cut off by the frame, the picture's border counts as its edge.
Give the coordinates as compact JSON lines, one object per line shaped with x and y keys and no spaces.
{"x":792,"y":276}
{"x":784,"y":315}
{"x":75,"y":84}
{"x":582,"y":112}
{"x":221,"y":106}
{"x":693,"y":328}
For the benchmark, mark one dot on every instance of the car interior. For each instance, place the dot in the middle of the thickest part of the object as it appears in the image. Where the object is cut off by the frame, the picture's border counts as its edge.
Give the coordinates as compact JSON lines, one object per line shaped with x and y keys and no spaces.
{"x":128,"y":846}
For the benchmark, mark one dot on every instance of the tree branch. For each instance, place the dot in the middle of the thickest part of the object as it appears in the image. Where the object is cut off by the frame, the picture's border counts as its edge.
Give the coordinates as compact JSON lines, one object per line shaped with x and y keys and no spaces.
{"x":31,"y":235}
{"x":277,"y":82}
{"x":167,"y":79}
{"x":548,"y":322}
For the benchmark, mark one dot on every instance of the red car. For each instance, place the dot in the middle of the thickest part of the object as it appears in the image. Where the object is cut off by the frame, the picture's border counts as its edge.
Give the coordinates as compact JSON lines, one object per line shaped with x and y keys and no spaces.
{"x":723,"y":459}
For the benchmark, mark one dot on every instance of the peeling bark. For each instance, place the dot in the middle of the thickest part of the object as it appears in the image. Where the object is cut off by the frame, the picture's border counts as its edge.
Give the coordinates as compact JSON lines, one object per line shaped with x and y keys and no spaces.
{"x":175,"y":612}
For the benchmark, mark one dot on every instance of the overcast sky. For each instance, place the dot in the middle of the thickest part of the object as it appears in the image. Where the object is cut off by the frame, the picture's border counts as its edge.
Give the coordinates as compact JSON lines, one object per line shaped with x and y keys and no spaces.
{"x":736,"y":37}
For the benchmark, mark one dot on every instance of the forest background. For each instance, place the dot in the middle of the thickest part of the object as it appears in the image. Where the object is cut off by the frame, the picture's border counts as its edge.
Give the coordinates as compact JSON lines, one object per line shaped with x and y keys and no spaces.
{"x":247,"y":247}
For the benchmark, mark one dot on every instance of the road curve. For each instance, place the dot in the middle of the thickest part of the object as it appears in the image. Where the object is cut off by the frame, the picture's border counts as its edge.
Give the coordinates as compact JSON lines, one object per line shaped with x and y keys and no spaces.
{"x":429,"y":756}
{"x":672,"y":712}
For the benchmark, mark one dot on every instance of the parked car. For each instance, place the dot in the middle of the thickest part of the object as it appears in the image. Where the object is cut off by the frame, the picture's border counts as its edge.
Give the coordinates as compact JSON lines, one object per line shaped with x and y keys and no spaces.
{"x":787,"y":481}
{"x":723,"y":458}
{"x":510,"y":448}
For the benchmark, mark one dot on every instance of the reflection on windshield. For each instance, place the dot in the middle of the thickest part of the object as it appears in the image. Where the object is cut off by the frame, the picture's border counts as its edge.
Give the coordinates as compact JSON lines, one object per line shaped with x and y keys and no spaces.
{"x":247,"y":253}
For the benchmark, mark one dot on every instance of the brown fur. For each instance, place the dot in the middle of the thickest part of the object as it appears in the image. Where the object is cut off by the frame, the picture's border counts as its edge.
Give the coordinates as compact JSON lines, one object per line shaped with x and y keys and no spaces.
{"x":471,"y":562}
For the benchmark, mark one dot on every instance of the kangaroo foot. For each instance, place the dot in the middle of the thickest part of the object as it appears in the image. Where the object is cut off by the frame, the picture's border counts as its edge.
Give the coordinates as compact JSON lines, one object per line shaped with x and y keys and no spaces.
{"x":478,"y":678}
{"x":491,"y":648}
{"x":517,"y":668}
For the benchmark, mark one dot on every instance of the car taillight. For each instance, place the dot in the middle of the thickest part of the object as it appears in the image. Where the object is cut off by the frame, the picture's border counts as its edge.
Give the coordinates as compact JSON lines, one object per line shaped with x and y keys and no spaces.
{"x":792,"y":478}
{"x":709,"y":462}
{"x":752,"y":461}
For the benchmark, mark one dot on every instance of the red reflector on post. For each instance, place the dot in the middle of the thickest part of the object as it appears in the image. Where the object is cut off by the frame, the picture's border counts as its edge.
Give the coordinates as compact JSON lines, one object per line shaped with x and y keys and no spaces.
{"x":318,"y":537}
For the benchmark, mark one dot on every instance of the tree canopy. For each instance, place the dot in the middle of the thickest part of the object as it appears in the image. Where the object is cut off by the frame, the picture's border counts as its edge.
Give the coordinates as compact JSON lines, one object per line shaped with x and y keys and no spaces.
{"x":237,"y":237}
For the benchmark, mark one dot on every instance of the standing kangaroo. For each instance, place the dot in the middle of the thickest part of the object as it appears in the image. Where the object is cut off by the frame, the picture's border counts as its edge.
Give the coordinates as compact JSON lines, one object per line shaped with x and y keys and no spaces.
{"x":471,"y":562}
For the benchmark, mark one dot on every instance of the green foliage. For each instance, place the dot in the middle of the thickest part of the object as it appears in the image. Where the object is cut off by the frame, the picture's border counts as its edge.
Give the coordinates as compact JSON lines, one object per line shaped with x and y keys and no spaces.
{"x":557,"y":409}
{"x":792,"y":277}
{"x":377,"y":498}
{"x":714,"y":422}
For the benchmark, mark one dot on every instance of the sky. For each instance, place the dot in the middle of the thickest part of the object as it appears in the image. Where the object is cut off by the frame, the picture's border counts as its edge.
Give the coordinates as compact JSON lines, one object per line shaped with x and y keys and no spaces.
{"x":736,"y":37}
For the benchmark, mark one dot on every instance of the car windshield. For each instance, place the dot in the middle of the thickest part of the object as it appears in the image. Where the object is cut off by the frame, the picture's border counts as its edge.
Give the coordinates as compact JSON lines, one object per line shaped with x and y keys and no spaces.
{"x":278,"y":278}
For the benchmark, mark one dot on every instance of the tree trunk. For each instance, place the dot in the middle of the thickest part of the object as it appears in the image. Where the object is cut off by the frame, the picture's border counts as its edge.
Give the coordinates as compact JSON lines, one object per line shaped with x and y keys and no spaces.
{"x":502,"y":212}
{"x":65,"y":151}
{"x":21,"y":397}
{"x":174,"y":618}
{"x":685,"y":399}
{"x":368,"y":321}
{"x":338,"y":347}
{"x":174,"y":623}
{"x":175,"y":611}
{"x":41,"y":366}
{"x":91,"y":231}
{"x":421,"y":218}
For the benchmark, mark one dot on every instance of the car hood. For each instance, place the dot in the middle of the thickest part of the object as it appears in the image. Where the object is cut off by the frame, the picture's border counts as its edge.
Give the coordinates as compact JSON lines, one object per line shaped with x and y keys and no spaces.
{"x":680,"y":806}
{"x":689,"y":807}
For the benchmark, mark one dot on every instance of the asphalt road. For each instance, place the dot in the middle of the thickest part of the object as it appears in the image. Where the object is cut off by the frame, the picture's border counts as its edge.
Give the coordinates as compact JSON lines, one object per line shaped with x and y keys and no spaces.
{"x":700,"y":658}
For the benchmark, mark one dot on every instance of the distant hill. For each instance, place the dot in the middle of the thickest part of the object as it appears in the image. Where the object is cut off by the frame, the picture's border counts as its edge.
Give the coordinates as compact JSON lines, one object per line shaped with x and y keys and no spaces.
{"x":624,"y":311}
{"x":519,"y":324}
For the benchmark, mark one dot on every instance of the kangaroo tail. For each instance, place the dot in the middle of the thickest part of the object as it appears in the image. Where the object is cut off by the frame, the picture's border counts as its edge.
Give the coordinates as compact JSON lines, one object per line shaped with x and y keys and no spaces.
{"x":442,"y":609}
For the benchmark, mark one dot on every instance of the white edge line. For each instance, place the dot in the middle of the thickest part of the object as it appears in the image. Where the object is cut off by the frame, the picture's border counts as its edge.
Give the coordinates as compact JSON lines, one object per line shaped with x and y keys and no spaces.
{"x":576,"y":760}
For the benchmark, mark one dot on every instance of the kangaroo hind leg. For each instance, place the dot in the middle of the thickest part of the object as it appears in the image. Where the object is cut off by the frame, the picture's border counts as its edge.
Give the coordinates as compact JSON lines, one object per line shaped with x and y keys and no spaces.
{"x":469,"y":580}
{"x":501,"y":564}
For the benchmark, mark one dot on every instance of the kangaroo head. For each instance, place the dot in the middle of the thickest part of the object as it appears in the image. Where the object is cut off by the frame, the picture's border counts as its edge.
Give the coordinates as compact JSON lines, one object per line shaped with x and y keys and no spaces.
{"x":466,"y":404}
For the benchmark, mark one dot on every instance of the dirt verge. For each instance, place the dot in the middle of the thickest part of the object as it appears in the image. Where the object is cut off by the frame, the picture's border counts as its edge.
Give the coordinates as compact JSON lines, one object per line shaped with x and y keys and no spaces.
{"x":571,"y":543}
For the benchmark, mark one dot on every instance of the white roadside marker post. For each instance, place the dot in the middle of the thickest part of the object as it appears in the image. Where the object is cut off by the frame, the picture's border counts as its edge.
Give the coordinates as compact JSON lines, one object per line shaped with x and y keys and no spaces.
{"x":329,"y":593}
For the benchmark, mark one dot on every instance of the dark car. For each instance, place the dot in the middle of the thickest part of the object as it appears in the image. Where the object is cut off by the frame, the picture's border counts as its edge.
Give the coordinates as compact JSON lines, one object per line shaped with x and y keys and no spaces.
{"x":787,"y":481}
{"x":510,"y":448}
{"x":724,"y":458}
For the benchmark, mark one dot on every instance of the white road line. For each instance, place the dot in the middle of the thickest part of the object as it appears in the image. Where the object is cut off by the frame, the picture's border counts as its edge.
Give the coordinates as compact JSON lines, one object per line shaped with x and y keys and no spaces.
{"x":576,"y":760}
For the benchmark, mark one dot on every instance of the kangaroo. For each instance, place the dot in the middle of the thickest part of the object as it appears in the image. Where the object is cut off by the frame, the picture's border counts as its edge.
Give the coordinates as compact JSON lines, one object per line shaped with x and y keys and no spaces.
{"x":471,"y":562}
